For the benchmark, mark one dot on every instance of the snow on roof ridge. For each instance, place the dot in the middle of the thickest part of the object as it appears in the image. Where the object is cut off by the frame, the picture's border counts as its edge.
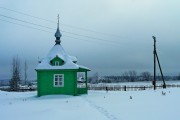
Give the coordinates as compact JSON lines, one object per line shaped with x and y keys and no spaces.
{"x":57,"y":50}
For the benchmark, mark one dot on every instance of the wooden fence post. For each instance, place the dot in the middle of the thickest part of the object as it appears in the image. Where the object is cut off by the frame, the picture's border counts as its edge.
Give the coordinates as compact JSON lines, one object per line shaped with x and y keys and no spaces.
{"x":125,"y":88}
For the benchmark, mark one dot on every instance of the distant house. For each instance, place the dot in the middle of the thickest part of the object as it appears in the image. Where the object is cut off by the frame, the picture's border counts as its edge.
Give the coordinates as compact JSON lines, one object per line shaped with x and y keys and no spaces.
{"x":59,"y":73}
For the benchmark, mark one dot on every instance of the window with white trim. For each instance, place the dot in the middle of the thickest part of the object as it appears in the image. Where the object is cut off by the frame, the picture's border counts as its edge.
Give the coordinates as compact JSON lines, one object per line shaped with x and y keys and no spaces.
{"x":56,"y":63}
{"x":58,"y":80}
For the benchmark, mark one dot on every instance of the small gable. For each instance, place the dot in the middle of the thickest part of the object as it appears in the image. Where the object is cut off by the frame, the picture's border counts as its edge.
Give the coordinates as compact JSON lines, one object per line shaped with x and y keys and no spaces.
{"x":57,"y":61}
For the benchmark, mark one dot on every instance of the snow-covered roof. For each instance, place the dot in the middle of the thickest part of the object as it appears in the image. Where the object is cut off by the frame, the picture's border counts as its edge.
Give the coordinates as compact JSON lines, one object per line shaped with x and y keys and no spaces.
{"x":73,"y":58}
{"x":57,"y":50}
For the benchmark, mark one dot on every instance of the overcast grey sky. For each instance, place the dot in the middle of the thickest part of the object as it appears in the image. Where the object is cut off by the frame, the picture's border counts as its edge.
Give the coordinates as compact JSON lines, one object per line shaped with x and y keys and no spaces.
{"x":129,"y":24}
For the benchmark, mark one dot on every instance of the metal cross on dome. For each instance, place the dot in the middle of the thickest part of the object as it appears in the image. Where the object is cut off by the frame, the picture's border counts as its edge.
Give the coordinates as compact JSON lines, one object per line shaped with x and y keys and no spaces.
{"x":58,"y":34}
{"x":58,"y":20}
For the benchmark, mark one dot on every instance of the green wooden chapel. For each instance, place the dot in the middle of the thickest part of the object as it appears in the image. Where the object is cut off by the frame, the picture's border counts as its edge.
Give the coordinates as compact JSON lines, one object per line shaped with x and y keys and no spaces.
{"x":59,"y":73}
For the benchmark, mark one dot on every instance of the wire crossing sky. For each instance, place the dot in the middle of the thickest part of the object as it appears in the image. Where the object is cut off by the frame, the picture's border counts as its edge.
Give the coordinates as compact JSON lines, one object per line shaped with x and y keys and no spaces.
{"x":42,"y":26}
{"x":110,"y":37}
{"x":71,"y":26}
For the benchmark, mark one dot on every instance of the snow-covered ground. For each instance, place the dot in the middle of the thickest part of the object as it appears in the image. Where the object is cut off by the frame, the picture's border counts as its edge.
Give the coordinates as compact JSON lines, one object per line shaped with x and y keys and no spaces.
{"x":97,"y":105}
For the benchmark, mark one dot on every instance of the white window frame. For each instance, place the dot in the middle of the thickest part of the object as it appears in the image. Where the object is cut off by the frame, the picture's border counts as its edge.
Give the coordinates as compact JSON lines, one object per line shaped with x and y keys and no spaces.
{"x":56,"y":63}
{"x":58,"y":81}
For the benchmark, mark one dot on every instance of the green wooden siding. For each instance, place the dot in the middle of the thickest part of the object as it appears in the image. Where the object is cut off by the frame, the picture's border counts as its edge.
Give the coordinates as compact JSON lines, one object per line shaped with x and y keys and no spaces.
{"x":81,"y":91}
{"x":46,"y":83}
{"x":45,"y":79}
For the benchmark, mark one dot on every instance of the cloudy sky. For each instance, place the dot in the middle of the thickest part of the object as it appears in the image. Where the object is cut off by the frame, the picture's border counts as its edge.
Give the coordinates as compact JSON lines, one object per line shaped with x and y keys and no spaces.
{"x":108,"y":36}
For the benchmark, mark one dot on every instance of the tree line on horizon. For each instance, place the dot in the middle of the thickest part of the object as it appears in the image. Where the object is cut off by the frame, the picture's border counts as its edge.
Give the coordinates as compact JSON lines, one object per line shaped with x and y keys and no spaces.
{"x":129,"y":76}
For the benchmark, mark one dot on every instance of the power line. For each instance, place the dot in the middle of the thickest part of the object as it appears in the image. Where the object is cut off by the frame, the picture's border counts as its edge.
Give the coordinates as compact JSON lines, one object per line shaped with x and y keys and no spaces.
{"x":25,"y":21}
{"x":71,"y":26}
{"x":52,"y":32}
{"x":27,"y":14}
{"x":55,"y":29}
{"x":25,"y":26}
{"x":91,"y":40}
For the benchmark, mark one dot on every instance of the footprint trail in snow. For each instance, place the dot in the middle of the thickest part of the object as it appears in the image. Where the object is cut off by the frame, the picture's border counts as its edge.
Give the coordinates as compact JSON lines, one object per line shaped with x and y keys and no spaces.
{"x":101,"y":110}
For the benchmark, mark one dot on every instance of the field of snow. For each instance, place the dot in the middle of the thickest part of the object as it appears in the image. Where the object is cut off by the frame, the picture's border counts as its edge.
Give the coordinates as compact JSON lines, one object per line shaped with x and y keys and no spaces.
{"x":97,"y":105}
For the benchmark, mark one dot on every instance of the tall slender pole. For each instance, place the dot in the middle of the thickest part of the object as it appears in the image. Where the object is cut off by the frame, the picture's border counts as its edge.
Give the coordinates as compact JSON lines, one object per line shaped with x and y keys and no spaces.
{"x":154,"y":81}
{"x":156,"y":56}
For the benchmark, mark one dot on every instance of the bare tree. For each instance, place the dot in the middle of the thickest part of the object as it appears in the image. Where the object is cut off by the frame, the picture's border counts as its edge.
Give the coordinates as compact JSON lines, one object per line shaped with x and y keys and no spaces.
{"x":15,"y":79}
{"x":125,"y":76}
{"x":146,"y":76}
{"x":132,"y":75}
{"x":25,"y":71}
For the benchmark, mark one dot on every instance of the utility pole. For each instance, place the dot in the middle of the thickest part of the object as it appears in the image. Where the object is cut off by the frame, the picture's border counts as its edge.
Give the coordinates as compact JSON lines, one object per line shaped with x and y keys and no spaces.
{"x":156,"y":57}
{"x":154,"y":52}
